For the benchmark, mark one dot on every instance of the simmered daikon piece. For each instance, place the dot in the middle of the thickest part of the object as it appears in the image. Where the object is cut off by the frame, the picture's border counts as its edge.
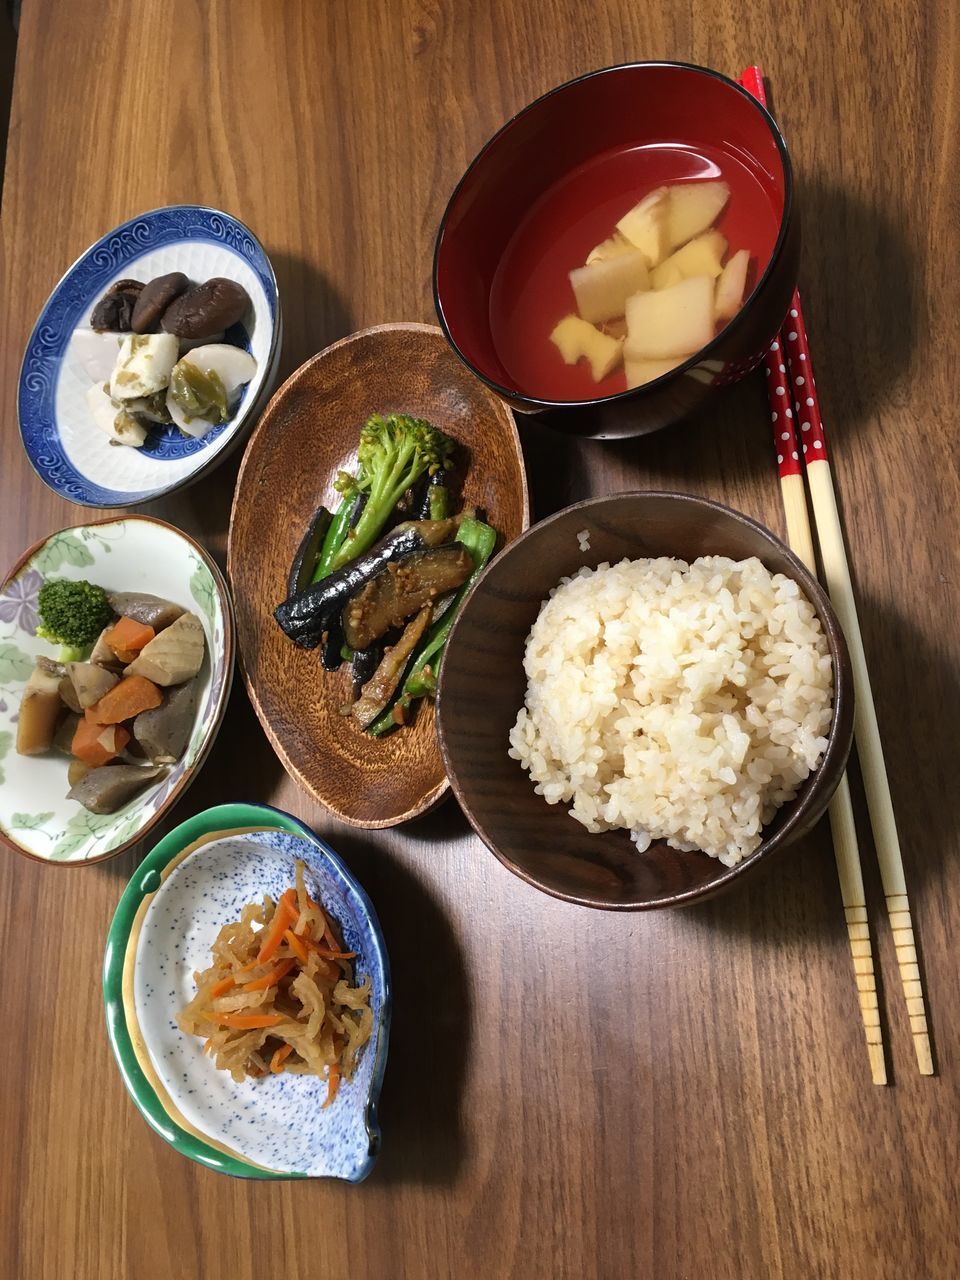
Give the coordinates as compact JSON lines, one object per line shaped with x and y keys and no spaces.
{"x":673,"y":322}
{"x":702,"y":256}
{"x":113,"y":422}
{"x":646,"y":226}
{"x":205,"y":385}
{"x":693,"y":207}
{"x":576,"y":339}
{"x":613,"y":247}
{"x":602,"y":289}
{"x":730,"y":286}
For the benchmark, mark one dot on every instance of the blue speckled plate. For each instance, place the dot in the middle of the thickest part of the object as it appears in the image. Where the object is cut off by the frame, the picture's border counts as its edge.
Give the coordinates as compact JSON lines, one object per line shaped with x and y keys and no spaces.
{"x":66,"y":449}
{"x":196,"y":880}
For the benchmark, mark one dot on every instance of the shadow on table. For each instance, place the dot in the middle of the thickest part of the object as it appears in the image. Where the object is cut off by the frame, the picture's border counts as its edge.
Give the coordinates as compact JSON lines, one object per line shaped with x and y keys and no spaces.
{"x":861,"y":301}
{"x":314,"y":313}
{"x":430,"y":1029}
{"x":794,"y":900}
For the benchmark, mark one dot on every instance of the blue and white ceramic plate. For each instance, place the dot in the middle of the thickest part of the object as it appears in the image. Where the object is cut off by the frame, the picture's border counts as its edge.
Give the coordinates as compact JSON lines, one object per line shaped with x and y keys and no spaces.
{"x":136,"y":553}
{"x":65,"y":448}
{"x":195,"y":881}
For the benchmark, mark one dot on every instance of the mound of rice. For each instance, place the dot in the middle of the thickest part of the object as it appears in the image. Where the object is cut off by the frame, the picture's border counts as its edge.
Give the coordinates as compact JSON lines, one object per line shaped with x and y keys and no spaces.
{"x":685,"y":703}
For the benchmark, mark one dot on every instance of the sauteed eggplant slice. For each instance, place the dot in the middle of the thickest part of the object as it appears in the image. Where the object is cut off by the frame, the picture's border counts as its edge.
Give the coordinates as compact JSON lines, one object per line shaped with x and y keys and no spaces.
{"x":402,"y":589}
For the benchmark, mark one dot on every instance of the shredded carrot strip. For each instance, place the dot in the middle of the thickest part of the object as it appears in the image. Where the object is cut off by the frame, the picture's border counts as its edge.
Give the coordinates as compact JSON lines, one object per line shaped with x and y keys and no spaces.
{"x":244,"y":1021}
{"x":220,"y":988}
{"x":207,"y":1045}
{"x":297,"y":945}
{"x":333,"y":1083}
{"x":285,"y":915}
{"x":281,"y":1055}
{"x":271,"y":977}
{"x":330,"y":953}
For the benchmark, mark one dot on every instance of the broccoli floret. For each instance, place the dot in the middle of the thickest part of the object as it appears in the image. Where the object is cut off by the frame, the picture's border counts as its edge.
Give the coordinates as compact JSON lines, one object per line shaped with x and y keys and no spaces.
{"x":72,"y":614}
{"x":394,"y":453}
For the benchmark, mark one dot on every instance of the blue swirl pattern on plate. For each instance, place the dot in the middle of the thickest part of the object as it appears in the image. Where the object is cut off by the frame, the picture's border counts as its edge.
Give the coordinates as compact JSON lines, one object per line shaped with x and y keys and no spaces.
{"x":67,"y":308}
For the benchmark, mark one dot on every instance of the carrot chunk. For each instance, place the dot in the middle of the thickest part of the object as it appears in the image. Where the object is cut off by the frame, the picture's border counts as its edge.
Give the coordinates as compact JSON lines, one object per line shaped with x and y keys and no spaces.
{"x":97,"y":744}
{"x":128,"y":636}
{"x":126,"y":699}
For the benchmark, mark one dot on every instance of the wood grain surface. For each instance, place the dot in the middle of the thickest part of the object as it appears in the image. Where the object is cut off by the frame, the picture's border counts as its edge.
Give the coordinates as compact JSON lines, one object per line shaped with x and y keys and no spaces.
{"x":569,"y":1093}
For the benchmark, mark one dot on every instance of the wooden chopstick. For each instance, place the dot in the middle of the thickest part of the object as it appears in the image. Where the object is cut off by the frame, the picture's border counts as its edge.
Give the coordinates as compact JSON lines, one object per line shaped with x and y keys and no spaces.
{"x":836,"y":570}
{"x":842,"y":826}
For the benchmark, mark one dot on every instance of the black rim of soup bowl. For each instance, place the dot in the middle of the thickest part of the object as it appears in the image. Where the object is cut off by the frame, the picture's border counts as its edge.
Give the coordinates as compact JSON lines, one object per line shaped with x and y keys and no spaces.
{"x":519,"y":399}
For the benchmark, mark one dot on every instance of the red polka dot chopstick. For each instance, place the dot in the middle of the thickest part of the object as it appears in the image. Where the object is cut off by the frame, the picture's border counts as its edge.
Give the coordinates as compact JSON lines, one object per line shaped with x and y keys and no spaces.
{"x":790,"y":459}
{"x":790,"y":354}
{"x":836,"y":571}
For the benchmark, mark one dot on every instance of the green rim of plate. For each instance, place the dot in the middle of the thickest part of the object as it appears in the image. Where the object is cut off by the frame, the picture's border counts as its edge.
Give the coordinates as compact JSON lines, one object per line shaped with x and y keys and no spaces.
{"x":146,"y":880}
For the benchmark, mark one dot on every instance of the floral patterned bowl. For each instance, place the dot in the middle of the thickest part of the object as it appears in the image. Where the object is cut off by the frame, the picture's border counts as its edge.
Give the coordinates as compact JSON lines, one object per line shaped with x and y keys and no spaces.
{"x":136,"y":553}
{"x":65,"y":449}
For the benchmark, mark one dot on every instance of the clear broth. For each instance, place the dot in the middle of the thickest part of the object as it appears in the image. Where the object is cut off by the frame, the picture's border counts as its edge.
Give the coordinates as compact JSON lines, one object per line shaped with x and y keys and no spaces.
{"x":531,"y":291}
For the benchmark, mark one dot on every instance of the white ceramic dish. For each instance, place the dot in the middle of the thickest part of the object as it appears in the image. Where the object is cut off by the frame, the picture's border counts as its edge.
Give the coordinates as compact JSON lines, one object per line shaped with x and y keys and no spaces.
{"x":64,"y":446}
{"x":136,"y":553}
{"x":197,"y":879}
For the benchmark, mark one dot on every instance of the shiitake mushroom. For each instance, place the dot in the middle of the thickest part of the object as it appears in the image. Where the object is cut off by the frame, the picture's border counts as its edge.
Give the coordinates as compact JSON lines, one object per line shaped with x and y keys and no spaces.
{"x":206,"y":309}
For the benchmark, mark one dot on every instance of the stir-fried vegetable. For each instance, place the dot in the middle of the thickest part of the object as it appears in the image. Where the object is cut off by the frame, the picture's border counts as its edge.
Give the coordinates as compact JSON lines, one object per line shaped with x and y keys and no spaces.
{"x":421,"y":680}
{"x":374,"y":576}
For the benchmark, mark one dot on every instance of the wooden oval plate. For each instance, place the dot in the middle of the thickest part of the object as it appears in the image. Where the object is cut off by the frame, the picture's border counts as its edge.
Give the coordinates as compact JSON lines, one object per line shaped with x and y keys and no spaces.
{"x":309,"y":432}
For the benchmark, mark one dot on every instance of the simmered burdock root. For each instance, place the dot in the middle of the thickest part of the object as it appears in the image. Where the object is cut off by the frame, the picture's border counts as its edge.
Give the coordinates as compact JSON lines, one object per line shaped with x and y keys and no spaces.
{"x":40,"y":708}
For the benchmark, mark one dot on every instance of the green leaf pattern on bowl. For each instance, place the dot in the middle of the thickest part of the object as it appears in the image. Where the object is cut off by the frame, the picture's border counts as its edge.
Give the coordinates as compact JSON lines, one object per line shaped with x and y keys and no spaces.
{"x":30,"y":821}
{"x":63,"y":548}
{"x":14,"y":664}
{"x":6,"y":742}
{"x":65,"y":832}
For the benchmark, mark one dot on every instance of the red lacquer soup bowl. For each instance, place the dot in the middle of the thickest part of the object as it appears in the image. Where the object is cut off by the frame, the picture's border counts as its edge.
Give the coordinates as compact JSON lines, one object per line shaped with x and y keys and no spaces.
{"x":554,"y":182}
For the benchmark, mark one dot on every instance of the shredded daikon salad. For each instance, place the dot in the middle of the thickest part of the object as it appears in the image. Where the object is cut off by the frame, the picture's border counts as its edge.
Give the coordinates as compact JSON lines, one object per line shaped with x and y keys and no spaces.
{"x":280,"y":994}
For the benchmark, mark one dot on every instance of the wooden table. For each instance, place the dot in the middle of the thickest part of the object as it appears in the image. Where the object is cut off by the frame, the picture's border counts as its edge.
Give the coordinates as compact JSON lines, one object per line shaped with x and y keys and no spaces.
{"x":569,"y":1093}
